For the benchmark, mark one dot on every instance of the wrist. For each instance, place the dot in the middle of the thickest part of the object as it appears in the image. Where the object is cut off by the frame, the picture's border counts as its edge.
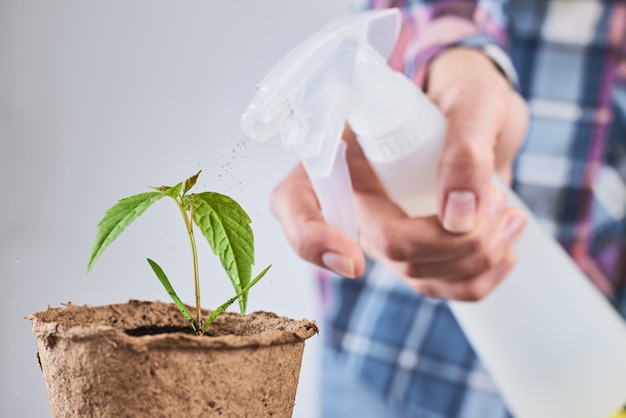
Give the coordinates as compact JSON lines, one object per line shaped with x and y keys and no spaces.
{"x":462,"y":64}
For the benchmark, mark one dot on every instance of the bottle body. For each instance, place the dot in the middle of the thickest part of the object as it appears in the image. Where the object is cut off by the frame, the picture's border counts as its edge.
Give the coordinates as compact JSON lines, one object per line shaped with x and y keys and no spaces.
{"x":552,"y":343}
{"x":414,"y":160}
{"x":402,"y":138}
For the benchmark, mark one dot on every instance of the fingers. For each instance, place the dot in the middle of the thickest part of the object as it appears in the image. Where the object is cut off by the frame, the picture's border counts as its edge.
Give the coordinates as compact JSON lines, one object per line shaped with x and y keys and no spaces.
{"x":475,"y":118}
{"x":470,"y":290}
{"x":487,"y":122}
{"x":434,"y":261}
{"x":294,"y":204}
{"x":465,"y":249}
{"x":481,"y":253}
{"x":388,"y":232}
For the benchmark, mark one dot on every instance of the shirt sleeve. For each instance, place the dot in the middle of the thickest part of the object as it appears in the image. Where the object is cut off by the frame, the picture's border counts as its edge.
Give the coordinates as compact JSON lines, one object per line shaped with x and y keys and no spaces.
{"x":431,"y":26}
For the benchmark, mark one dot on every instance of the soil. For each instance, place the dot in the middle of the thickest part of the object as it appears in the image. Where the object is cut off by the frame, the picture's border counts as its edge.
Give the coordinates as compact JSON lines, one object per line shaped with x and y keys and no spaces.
{"x":108,"y":361}
{"x":154,"y":330}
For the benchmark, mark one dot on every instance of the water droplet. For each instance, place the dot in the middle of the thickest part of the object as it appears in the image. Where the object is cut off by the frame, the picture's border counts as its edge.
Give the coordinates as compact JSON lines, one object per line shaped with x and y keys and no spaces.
{"x":18,"y":261}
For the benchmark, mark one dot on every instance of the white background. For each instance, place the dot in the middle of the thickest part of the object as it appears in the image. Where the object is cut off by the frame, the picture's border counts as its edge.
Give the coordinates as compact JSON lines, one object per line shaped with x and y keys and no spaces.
{"x":99,"y":99}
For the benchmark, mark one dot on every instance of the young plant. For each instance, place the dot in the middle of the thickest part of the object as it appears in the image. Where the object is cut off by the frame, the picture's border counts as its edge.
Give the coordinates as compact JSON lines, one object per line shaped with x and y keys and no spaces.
{"x":222,"y":221}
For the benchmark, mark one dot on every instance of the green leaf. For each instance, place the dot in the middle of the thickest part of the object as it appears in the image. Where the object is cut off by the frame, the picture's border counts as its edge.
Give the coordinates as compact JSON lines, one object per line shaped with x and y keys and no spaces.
{"x":171,"y":191}
{"x":226,"y":226}
{"x":174,"y":191}
{"x":170,"y":290}
{"x":118,"y":217}
{"x":230,"y":301}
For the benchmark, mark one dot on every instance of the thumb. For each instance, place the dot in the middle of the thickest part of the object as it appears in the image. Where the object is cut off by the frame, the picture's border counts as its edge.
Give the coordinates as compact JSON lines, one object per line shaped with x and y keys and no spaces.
{"x":476,"y":113}
{"x":295,"y":205}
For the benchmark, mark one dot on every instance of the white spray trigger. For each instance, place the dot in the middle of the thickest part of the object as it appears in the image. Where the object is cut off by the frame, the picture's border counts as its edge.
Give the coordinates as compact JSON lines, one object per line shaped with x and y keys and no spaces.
{"x":308,"y":97}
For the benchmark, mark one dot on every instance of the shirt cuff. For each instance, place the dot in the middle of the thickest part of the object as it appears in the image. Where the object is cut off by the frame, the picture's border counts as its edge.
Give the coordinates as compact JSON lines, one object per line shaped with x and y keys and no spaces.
{"x":416,"y":48}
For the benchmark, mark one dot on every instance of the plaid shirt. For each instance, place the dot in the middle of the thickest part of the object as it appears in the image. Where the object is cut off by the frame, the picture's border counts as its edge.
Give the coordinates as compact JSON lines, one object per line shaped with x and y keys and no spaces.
{"x":569,"y":60}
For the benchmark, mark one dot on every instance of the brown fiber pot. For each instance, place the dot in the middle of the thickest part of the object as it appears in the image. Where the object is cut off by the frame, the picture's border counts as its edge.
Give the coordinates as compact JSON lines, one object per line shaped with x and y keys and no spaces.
{"x":247,"y":367}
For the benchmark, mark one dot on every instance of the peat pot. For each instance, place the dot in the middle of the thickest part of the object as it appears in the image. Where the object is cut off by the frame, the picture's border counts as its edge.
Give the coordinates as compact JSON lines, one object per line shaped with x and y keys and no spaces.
{"x":138,"y":359}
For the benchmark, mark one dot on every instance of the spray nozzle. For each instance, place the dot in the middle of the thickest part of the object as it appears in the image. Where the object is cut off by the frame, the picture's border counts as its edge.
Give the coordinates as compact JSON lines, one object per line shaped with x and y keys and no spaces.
{"x":308,"y":96}
{"x":266,"y":115}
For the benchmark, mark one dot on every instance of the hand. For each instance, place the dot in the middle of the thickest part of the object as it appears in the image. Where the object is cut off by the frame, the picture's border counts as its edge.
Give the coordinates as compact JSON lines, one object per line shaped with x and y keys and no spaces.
{"x":419,"y":251}
{"x":295,"y":205}
{"x":463,"y":252}
{"x":487,"y":119}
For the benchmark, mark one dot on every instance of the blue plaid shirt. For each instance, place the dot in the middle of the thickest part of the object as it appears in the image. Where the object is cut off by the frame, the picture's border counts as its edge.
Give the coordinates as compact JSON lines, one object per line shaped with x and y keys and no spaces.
{"x":569,"y":62}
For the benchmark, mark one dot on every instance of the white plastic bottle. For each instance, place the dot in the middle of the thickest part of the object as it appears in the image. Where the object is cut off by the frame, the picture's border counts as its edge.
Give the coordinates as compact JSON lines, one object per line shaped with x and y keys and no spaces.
{"x":552,"y":343}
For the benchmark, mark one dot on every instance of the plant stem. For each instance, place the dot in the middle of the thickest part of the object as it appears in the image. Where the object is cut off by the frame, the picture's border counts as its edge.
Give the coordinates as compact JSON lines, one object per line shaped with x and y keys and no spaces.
{"x":194,"y":253}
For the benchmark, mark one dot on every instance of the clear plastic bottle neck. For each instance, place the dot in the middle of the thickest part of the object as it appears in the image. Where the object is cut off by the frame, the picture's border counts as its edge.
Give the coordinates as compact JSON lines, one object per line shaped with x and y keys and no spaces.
{"x":393,"y":117}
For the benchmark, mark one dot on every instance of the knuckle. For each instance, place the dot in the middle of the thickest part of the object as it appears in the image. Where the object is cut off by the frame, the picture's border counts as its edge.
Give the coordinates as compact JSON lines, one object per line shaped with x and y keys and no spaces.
{"x":412,"y":270}
{"x":480,"y":286}
{"x":305,"y":242}
{"x":390,"y":246}
{"x":393,"y":251}
{"x":473,"y":245}
{"x":424,"y":288}
{"x":467,"y":153}
{"x":484,"y":262}
{"x":474,"y":291}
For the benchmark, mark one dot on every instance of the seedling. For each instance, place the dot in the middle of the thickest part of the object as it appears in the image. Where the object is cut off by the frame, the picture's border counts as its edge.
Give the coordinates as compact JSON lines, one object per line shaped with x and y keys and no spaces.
{"x":222,"y":221}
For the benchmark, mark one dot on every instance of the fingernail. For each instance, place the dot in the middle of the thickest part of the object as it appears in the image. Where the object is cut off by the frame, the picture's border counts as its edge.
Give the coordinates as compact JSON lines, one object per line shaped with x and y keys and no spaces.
{"x":514,"y":227}
{"x":459,"y":214}
{"x":339,"y":264}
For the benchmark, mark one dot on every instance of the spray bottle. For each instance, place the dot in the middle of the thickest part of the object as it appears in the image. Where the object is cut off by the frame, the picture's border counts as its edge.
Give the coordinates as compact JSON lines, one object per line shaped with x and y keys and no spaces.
{"x":552,"y":343}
